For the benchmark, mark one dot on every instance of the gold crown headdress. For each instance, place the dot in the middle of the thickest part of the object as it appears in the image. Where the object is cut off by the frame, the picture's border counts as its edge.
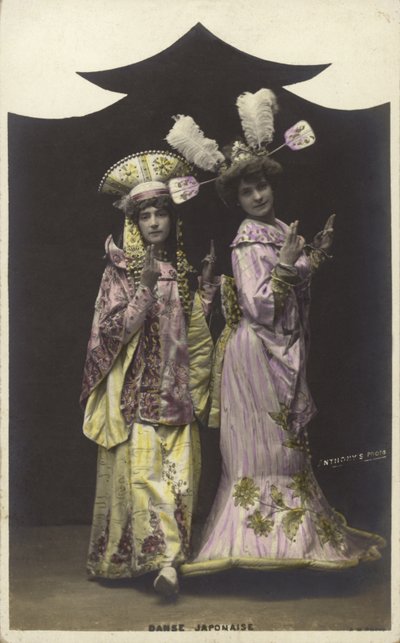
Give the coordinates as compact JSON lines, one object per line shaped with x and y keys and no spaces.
{"x":256,"y":113}
{"x":136,"y":178}
{"x":142,"y":168}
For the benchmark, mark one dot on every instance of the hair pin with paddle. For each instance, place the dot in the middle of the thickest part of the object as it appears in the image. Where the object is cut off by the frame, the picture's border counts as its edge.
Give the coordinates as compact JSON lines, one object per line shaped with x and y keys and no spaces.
{"x":297,"y":137}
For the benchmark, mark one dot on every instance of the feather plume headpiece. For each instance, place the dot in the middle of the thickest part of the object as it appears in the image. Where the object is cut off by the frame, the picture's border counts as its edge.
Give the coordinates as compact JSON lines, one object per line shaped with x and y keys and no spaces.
{"x":187,"y":137}
{"x":256,"y":112}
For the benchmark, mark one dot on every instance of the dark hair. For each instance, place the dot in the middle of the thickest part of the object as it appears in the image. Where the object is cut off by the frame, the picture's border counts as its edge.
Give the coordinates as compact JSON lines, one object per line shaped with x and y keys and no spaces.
{"x":172,"y":245}
{"x":227,"y":184}
{"x":133,"y":209}
{"x":159,"y":202}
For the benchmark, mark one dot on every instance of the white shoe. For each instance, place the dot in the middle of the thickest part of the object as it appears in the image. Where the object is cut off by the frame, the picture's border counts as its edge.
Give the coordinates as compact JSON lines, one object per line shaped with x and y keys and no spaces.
{"x":166,"y":582}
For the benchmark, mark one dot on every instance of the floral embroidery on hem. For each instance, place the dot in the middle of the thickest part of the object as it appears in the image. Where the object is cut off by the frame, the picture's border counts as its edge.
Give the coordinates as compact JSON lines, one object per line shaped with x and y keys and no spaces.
{"x":246,"y":493}
{"x":261,"y":525}
{"x":282,"y":419}
{"x":329,"y":530}
{"x":153,"y":545}
{"x":179,"y":489}
{"x":99,"y":547}
{"x":125,"y":545}
{"x":292,"y":521}
{"x":303,"y":485}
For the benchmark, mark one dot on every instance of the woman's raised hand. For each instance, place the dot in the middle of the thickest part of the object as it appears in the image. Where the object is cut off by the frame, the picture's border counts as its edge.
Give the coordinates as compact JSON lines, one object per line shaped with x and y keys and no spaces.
{"x":292,"y":247}
{"x":208,"y":264}
{"x":151,"y":269}
{"x":323,"y":240}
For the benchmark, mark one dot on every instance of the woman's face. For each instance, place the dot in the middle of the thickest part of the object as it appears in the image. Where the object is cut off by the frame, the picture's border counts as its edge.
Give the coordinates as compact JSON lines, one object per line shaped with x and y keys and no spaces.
{"x":256,"y":197}
{"x":154,"y":224}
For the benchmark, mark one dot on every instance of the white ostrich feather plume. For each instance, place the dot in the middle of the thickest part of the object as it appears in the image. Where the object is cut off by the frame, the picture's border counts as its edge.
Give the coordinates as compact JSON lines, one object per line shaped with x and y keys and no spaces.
{"x":256,"y":112}
{"x":187,"y":138}
{"x":122,"y":203}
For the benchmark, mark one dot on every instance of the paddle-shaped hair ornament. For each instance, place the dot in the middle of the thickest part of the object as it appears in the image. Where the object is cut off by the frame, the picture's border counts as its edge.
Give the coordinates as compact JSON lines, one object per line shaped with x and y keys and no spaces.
{"x":184,"y":188}
{"x":297,"y":137}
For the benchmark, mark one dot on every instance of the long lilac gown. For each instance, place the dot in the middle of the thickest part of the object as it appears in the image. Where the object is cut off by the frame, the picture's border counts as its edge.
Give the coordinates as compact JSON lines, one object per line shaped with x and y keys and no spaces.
{"x":269,"y":511}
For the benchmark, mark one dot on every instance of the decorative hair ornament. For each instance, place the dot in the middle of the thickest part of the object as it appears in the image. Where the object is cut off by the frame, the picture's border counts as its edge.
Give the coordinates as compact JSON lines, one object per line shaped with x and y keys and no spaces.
{"x":187,"y":137}
{"x":256,"y":112}
{"x":148,"y":190}
{"x":142,"y":168}
{"x":136,"y":178}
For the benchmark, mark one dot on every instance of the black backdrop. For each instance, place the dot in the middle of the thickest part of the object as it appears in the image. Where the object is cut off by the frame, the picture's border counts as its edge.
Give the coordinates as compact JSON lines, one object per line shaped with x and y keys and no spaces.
{"x":58,"y":225}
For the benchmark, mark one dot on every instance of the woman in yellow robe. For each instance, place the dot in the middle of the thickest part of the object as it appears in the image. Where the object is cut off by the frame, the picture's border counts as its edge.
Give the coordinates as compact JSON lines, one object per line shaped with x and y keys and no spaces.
{"x":145,"y":387}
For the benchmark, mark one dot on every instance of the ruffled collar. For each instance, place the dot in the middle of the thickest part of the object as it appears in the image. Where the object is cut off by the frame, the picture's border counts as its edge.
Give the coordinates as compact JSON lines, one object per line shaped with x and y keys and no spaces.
{"x":251,"y":231}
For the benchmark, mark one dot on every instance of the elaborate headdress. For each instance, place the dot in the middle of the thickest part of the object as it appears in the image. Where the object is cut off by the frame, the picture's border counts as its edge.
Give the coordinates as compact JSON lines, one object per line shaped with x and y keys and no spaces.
{"x":141,"y":168}
{"x":138,"y":178}
{"x":256,"y":112}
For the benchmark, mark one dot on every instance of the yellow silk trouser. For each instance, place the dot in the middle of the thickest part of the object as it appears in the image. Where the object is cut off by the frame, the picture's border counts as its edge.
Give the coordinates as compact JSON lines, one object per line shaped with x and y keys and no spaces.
{"x":145,"y":496}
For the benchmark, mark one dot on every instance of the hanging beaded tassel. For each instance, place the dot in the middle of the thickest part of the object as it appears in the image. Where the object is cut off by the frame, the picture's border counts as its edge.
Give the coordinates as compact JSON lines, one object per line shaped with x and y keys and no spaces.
{"x":134,"y":249}
{"x":183,"y":268}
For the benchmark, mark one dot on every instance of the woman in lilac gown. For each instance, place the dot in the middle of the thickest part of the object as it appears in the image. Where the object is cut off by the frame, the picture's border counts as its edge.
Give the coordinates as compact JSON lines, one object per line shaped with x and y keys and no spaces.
{"x":269,"y":511}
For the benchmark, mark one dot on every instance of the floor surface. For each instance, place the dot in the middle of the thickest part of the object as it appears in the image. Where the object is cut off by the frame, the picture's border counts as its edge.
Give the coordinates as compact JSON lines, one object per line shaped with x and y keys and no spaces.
{"x":49,"y":591}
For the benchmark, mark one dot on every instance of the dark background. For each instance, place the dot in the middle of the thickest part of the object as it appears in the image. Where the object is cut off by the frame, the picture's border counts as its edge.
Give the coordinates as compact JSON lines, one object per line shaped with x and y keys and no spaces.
{"x":58,"y":225}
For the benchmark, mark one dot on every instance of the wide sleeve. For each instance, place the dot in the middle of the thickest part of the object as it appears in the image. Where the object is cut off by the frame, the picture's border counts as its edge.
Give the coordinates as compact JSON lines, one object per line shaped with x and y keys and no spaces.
{"x":117,"y":317}
{"x":207,"y":292}
{"x":266,"y":295}
{"x":200,"y":349}
{"x":136,"y":312}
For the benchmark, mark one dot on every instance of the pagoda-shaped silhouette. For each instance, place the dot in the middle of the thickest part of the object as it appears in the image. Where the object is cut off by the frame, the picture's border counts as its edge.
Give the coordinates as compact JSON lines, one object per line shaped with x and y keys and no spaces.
{"x":58,"y":224}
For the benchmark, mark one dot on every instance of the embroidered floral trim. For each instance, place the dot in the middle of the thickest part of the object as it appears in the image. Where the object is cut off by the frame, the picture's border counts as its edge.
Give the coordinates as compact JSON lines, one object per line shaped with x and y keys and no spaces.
{"x":253,"y":233}
{"x":282,"y":417}
{"x":303,"y":485}
{"x":246,"y":493}
{"x":150,"y":394}
{"x":130,"y":390}
{"x":169,"y":470}
{"x":229,"y":302}
{"x":124,"y":551}
{"x":293,"y":515}
{"x":99,"y":547}
{"x":261,"y":525}
{"x":329,"y":529}
{"x":107,"y":331}
{"x":329,"y":532}
{"x":292,"y":521}
{"x":183,"y":268}
{"x":153,"y":545}
{"x":182,"y":520}
{"x":162,"y":165}
{"x":294,"y":441}
{"x":180,"y":489}
{"x":171,"y":308}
